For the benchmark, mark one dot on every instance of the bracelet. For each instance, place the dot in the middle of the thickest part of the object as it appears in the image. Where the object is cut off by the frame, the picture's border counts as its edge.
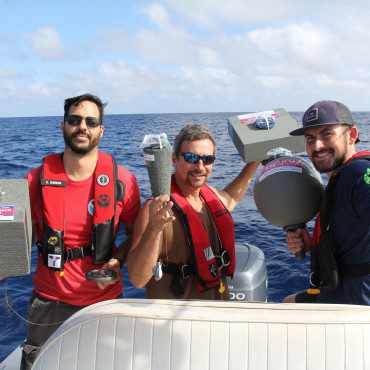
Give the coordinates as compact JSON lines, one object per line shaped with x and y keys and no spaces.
{"x":119,"y":260}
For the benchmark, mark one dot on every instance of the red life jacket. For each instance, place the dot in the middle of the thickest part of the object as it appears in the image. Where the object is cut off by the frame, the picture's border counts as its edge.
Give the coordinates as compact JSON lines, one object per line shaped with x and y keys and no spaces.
{"x":206,"y":270}
{"x":53,"y":181}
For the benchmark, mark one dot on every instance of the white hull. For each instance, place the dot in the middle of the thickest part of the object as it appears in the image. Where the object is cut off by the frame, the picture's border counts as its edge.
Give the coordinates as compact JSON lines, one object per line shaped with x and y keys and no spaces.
{"x":13,"y":361}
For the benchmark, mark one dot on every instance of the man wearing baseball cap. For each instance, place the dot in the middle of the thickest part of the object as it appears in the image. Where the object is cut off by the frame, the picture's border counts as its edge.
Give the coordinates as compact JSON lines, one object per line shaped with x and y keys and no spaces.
{"x":340,"y":244}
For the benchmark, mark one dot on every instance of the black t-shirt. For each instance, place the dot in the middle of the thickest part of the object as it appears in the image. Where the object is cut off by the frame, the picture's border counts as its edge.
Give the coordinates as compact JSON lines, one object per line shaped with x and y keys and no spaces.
{"x":350,"y":229}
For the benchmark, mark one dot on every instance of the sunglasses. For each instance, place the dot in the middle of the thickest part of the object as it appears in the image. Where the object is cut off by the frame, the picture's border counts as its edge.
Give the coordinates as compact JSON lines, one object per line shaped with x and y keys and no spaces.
{"x":194,"y":158}
{"x":75,"y":120}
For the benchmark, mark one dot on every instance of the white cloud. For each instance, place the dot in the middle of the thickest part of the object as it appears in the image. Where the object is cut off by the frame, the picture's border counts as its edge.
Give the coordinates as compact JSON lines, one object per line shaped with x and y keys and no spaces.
{"x":10,"y":74}
{"x":46,"y":43}
{"x":214,"y":14}
{"x":157,"y":13}
{"x":301,"y":45}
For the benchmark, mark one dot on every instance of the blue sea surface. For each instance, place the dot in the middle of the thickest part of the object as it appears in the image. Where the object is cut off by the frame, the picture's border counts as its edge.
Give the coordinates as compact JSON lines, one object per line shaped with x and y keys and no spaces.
{"x":25,"y":141}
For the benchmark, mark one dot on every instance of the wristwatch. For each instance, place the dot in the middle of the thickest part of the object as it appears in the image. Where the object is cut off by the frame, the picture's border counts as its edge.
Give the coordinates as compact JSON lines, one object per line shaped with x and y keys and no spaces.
{"x":119,"y":260}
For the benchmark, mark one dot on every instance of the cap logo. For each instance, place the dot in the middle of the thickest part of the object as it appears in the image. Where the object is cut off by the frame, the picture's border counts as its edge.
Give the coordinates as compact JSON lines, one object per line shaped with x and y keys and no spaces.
{"x":313,"y":115}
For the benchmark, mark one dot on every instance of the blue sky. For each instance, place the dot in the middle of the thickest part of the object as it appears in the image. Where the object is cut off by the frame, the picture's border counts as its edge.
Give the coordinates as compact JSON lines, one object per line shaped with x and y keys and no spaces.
{"x":183,"y":56}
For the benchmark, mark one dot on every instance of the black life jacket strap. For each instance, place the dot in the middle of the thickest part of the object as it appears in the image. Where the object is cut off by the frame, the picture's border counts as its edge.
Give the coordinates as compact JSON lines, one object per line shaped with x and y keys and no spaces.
{"x":355,"y":270}
{"x":187,"y":270}
{"x":324,"y":263}
{"x":181,"y":271}
{"x":73,"y":253}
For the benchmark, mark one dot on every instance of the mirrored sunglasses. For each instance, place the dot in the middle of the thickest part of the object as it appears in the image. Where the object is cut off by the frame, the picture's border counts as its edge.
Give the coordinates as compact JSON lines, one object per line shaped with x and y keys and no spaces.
{"x":194,"y":158}
{"x":75,"y":120}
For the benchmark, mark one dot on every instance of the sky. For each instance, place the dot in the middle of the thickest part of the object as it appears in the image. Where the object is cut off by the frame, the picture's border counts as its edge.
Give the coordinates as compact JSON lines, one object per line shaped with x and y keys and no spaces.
{"x":183,"y":55}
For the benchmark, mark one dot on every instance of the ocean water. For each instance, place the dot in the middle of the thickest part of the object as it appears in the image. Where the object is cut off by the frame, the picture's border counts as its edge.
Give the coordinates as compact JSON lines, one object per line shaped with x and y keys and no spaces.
{"x":25,"y":141}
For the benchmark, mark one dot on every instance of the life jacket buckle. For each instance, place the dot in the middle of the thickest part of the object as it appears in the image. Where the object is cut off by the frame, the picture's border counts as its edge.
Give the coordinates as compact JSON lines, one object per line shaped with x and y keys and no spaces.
{"x":223,"y":260}
{"x":39,"y":247}
{"x":75,"y":253}
{"x":184,"y":272}
{"x":315,"y":280}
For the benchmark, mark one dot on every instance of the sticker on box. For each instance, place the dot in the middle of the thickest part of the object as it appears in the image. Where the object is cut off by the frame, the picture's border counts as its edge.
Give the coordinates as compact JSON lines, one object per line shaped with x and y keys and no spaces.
{"x":265,"y":116}
{"x":6,"y":213}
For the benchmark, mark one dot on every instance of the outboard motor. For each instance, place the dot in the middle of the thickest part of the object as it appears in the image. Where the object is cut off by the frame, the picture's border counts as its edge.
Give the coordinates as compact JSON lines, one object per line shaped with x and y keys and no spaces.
{"x":249,"y":282}
{"x":288,"y":191}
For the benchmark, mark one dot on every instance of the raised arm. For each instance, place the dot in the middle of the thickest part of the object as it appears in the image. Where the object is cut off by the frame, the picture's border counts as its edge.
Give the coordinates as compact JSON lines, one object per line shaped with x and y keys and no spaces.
{"x":147,"y":240}
{"x":234,"y":192}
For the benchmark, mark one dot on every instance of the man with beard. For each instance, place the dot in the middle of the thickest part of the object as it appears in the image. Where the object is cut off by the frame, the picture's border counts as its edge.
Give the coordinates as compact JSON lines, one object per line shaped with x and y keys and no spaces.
{"x":340,"y":245}
{"x":78,"y":199}
{"x":188,"y":242}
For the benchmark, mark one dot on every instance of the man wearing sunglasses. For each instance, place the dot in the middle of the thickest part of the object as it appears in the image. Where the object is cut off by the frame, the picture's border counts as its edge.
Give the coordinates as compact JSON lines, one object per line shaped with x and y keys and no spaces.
{"x":78,"y":199}
{"x":187,"y":241}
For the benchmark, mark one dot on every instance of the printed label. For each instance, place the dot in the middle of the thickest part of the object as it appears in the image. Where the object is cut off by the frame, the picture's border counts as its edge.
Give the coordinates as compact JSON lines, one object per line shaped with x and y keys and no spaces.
{"x":291,"y":165}
{"x":57,"y":183}
{"x":54,"y":260}
{"x":208,"y":252}
{"x":6,"y":213}
{"x":213,"y":269}
{"x":252,"y":117}
{"x":149,"y":157}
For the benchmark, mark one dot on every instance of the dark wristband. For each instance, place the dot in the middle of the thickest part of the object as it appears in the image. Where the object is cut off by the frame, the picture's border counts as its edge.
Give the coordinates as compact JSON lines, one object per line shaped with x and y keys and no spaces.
{"x":119,"y":260}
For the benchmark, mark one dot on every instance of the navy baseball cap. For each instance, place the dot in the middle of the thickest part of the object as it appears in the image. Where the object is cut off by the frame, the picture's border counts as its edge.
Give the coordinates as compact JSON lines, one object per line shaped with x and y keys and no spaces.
{"x":325,"y":112}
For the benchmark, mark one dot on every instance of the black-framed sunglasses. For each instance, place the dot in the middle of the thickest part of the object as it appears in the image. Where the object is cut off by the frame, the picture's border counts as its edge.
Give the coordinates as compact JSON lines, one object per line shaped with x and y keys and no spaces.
{"x":194,"y":158}
{"x":75,"y":120}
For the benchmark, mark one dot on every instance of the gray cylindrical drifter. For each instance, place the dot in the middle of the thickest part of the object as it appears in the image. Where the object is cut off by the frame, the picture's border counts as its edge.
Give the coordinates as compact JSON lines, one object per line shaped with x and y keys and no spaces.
{"x":288,"y":191}
{"x":158,"y":162}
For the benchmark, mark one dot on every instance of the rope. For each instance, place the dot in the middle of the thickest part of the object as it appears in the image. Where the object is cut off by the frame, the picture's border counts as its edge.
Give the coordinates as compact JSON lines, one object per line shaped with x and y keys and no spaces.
{"x":12,"y":310}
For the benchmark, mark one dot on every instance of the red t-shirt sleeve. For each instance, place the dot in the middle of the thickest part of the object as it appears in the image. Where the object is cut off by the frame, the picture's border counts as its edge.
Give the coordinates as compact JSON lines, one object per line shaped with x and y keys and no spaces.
{"x":33,"y":178}
{"x":131,"y":200}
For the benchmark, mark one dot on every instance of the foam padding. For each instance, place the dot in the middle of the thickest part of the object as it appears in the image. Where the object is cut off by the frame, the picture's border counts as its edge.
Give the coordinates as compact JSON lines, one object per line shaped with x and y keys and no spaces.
{"x":158,"y":162}
{"x":16,"y":234}
{"x":253,"y":143}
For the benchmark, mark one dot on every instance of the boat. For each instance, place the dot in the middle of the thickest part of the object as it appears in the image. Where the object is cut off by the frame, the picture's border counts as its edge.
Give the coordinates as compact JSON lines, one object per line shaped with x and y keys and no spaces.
{"x":248,"y":284}
{"x":239,"y":334}
{"x":174,"y":334}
